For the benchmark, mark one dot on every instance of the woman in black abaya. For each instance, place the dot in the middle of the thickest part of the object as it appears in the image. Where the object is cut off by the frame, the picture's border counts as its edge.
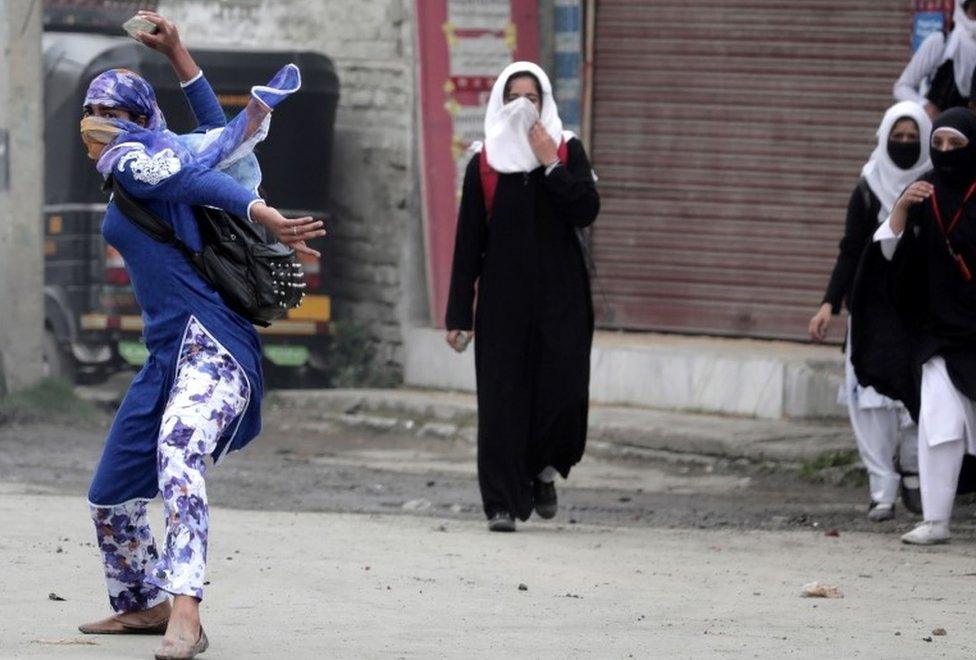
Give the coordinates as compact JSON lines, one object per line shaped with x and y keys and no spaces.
{"x":917,"y":292}
{"x":526,"y":195}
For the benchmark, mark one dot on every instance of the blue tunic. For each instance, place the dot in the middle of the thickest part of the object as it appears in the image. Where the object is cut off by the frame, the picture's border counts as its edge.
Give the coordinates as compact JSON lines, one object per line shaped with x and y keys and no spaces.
{"x":170,"y":291}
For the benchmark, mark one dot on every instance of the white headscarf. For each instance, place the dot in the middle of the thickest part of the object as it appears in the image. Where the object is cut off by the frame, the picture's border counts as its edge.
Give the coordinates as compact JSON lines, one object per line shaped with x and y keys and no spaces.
{"x":961,"y":48}
{"x":507,"y":125}
{"x":886,"y":179}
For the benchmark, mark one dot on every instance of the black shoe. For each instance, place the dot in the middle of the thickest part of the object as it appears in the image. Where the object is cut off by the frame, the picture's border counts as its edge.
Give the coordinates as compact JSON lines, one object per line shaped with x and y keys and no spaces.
{"x":501,"y":521}
{"x":881,"y":512}
{"x":911,"y":495}
{"x":544,"y":497}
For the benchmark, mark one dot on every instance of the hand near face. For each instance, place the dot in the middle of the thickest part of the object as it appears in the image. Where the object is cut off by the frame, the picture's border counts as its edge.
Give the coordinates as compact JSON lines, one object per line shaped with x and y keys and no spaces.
{"x":542,"y":145}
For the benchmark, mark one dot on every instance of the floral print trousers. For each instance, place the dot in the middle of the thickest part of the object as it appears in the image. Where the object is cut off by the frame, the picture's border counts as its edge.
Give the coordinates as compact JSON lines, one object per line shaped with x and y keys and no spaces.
{"x":209,"y":393}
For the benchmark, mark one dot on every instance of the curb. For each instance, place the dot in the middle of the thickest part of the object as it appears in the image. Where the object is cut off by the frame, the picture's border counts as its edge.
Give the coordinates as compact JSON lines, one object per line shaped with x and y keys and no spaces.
{"x":617,"y":431}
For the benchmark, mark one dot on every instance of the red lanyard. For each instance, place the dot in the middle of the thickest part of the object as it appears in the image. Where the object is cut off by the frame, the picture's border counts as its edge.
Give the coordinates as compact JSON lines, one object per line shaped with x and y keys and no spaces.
{"x":957,"y":217}
{"x":946,"y":231}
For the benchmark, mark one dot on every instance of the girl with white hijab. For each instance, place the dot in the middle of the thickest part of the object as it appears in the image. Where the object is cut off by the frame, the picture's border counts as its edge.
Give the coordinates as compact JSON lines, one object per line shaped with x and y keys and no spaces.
{"x":527,"y":191}
{"x":883,"y":431}
{"x":945,"y":62}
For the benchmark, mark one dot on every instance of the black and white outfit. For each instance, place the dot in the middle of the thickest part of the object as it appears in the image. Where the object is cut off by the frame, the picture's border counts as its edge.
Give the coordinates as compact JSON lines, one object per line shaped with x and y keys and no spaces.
{"x":921,"y":295}
{"x":885,"y":435}
{"x":534,"y":319}
{"x":943,"y":62}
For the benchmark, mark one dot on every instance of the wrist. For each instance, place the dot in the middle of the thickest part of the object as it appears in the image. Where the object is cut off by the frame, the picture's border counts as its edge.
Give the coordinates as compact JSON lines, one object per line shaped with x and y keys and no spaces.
{"x":176,"y":52}
{"x":255,"y":210}
{"x":258,"y":209}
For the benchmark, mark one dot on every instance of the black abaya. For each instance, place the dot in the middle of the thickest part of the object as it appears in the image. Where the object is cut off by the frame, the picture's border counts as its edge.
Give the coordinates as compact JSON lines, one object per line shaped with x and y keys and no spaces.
{"x":918,"y":305}
{"x":533,"y":326}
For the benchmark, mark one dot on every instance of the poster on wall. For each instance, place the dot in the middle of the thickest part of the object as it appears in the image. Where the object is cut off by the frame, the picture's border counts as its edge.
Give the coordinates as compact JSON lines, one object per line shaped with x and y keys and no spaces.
{"x":462,"y":46}
{"x":929,"y":16}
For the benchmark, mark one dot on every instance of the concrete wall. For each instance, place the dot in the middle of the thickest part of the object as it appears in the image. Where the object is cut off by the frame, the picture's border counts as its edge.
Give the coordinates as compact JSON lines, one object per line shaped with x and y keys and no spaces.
{"x":21,"y":181}
{"x":376,"y":251}
{"x":740,"y":377}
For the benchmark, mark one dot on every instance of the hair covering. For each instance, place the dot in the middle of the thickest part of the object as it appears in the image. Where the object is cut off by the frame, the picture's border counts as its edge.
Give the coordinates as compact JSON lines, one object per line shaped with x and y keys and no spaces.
{"x":127,"y":90}
{"x":955,"y":169}
{"x":219,"y":149}
{"x":507,"y":125}
{"x":961,"y":48}
{"x":886,"y":179}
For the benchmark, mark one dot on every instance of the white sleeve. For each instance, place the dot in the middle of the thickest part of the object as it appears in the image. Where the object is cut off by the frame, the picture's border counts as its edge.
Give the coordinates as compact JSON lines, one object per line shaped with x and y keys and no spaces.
{"x":888,"y":239}
{"x":922,"y":65}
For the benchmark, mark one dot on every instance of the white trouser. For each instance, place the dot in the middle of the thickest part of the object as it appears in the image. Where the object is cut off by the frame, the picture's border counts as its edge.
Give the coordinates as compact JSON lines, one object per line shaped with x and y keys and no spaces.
{"x":881,"y":440}
{"x":947,"y":420}
{"x":884,"y":435}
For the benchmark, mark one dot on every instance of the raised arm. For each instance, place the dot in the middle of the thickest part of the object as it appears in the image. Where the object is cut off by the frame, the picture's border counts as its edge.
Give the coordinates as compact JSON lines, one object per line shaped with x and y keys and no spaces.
{"x":206,"y":108}
{"x":203,"y":101}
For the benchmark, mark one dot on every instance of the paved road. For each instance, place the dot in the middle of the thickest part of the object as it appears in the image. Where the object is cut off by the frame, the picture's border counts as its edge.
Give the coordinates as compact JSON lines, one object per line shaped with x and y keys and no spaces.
{"x":332,"y":541}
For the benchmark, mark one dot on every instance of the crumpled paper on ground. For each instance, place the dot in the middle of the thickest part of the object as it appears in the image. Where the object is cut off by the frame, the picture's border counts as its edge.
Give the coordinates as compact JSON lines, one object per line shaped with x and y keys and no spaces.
{"x":818,"y":590}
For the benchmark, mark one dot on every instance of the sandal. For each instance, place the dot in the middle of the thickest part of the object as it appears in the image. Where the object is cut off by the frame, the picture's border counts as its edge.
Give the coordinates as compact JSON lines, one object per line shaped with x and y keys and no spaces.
{"x":115,"y":625}
{"x":183,"y":650}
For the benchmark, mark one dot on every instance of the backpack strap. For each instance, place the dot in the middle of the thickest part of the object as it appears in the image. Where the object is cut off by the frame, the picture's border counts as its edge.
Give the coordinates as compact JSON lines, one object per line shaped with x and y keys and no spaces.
{"x":867,"y":196}
{"x":143,"y":218}
{"x":489,"y":177}
{"x":151,"y":224}
{"x":563,"y":152}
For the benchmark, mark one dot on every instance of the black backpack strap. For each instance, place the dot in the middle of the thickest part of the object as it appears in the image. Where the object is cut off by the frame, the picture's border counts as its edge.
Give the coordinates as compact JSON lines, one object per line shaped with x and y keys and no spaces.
{"x":142,"y":217}
{"x":867,"y":195}
{"x":155,"y":227}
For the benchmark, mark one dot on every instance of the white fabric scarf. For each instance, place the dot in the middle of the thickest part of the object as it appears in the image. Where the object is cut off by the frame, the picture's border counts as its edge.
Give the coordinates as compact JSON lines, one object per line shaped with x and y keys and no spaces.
{"x":886,"y":179}
{"x":507,"y":125}
{"x":961,"y":48}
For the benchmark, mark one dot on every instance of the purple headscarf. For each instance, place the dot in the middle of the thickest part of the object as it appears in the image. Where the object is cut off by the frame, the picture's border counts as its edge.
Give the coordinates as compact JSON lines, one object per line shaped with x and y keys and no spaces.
{"x":121,"y":88}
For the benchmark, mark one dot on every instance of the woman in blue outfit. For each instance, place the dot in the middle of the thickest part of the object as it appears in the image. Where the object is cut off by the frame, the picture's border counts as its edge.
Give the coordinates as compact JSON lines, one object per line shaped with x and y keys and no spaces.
{"x":200,"y":390}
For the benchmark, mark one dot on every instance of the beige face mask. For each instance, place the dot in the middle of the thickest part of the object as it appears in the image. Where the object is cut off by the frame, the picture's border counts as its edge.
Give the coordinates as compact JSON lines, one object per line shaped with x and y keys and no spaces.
{"x":96,"y":132}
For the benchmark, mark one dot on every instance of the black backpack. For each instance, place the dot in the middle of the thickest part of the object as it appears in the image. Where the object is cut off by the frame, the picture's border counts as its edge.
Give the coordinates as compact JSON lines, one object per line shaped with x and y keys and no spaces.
{"x":943,"y":92}
{"x":256,"y":275}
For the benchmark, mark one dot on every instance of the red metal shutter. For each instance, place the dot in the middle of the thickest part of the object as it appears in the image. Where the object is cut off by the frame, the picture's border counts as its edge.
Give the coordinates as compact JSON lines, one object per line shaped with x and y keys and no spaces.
{"x":728,"y":137}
